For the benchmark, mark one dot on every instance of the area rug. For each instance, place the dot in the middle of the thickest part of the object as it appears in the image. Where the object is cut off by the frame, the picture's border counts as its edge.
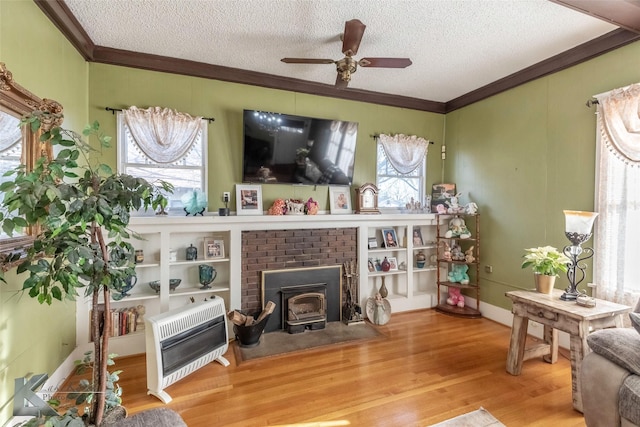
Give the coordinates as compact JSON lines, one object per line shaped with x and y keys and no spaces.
{"x":477,"y":418}
{"x":281,"y":342}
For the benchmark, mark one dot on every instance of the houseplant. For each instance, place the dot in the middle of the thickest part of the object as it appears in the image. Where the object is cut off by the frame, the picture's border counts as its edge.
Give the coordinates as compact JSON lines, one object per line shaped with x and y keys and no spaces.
{"x":82,"y":210}
{"x":546,"y":262}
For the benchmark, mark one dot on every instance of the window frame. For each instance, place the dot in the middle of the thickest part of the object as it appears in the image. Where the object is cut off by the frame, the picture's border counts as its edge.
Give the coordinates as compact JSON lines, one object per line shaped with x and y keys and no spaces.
{"x":122,"y":165}
{"x":421,"y":179}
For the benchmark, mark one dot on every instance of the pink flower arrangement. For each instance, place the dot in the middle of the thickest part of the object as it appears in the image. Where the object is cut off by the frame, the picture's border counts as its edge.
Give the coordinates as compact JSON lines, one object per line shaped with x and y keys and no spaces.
{"x":311,"y":207}
{"x":279,"y":207}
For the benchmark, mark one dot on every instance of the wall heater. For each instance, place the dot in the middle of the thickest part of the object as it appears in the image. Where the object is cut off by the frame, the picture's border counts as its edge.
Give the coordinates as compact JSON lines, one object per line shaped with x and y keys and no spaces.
{"x":181,"y":341}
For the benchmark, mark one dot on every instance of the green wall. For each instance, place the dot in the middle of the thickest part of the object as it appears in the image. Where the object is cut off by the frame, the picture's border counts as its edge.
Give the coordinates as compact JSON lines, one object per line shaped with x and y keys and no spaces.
{"x":525,"y":155}
{"x":35,"y":338}
{"x":121,"y":87}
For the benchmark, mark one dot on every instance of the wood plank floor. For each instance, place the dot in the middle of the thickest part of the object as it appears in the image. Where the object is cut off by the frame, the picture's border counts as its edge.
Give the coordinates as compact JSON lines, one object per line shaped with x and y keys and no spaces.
{"x":428,"y":368}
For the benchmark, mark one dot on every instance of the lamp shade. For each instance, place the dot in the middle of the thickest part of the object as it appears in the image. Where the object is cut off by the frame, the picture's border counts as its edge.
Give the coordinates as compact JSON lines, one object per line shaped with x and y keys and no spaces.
{"x":579,"y":222}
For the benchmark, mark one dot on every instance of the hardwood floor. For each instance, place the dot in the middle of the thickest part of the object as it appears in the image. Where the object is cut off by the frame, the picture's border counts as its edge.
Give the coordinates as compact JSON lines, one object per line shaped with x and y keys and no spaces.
{"x":430,"y":367}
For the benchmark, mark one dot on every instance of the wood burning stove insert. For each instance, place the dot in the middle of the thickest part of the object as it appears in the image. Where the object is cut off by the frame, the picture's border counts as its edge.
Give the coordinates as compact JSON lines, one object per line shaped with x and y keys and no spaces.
{"x":274,"y":280}
{"x":304,"y":307}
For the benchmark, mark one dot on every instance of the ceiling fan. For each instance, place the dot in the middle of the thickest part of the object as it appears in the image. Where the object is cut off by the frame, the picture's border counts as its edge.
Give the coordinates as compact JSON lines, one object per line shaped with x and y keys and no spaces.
{"x":353,"y":31}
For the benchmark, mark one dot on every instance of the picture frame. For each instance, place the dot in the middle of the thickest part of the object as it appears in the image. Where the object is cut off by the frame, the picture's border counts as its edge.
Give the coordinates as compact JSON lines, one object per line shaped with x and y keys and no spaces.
{"x":373,"y":243}
{"x":370,"y":266}
{"x":248,"y":199}
{"x":389,"y":238}
{"x":440,"y":193}
{"x":213,"y":248}
{"x":339,"y":200}
{"x":417,"y":237}
{"x":393,"y":263}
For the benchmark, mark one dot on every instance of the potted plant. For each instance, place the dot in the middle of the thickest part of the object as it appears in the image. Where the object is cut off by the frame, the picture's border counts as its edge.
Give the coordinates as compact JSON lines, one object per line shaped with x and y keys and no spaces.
{"x":82,"y":210}
{"x":546,"y":262}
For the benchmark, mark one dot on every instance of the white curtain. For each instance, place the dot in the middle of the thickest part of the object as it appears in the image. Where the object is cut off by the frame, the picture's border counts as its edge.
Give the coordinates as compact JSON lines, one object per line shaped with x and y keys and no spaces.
{"x":163,"y":135}
{"x":405,"y":153}
{"x":10,"y":131}
{"x":617,"y":228}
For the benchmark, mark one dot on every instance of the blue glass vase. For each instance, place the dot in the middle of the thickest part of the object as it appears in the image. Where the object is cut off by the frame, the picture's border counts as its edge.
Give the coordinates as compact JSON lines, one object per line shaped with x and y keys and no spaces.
{"x":207,"y":275}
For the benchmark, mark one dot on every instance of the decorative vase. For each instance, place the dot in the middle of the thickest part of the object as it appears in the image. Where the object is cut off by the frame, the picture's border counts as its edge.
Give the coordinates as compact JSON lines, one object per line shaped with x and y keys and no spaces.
{"x":207,"y":275}
{"x":130,"y":282}
{"x":192,"y":253}
{"x":383,"y":289}
{"x":386,"y":265}
{"x":544,"y":283}
{"x":421,"y":258}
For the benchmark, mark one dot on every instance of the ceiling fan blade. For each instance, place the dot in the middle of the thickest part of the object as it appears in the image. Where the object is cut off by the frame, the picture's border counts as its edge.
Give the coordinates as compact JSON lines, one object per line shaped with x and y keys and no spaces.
{"x":385,"y":62}
{"x":353,"y":31}
{"x":307,"y":61}
{"x":341,"y":84}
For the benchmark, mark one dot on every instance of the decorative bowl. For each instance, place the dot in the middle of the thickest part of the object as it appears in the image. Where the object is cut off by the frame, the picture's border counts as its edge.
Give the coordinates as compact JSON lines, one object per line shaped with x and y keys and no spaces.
{"x":173,"y":284}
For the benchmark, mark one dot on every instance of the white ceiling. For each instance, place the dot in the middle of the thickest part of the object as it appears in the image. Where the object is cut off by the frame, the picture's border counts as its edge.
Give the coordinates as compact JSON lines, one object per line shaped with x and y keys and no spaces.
{"x":456,"y":46}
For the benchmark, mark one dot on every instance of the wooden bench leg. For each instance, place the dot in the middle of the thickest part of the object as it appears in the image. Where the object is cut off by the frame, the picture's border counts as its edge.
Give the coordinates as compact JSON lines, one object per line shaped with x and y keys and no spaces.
{"x":551,"y":338}
{"x":517,"y":344}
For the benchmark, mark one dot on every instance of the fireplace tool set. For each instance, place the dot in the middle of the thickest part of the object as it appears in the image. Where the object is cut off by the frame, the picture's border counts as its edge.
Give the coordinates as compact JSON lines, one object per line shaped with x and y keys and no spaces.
{"x":351,"y":310}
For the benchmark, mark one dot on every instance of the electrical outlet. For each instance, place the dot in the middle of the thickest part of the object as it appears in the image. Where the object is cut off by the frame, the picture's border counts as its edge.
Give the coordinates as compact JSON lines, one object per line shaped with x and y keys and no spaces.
{"x":488,"y":268}
{"x":226,"y":196}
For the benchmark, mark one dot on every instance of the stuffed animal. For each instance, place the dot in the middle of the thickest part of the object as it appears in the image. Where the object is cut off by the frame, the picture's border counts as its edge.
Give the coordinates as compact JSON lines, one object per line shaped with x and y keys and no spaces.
{"x":458,"y":274}
{"x":457,"y":228}
{"x":468,"y":255}
{"x":455,"y":297}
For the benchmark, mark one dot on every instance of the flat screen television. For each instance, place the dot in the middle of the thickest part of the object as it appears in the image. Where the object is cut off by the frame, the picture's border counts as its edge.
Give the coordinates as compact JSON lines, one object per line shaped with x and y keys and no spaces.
{"x":288,"y":149}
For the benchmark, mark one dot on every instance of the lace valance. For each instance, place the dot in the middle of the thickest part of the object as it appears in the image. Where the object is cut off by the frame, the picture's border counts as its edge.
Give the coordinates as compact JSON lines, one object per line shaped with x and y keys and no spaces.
{"x":619,"y":122}
{"x":405,"y":152}
{"x":163,"y":135}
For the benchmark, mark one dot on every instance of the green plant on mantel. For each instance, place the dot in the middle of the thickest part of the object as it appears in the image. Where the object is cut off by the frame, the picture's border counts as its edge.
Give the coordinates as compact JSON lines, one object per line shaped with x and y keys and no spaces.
{"x":81,"y":209}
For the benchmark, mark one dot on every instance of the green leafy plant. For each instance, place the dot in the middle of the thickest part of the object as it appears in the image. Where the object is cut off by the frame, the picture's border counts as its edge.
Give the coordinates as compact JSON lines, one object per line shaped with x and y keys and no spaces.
{"x":83,"y":395}
{"x":545,"y":260}
{"x":81,"y":209}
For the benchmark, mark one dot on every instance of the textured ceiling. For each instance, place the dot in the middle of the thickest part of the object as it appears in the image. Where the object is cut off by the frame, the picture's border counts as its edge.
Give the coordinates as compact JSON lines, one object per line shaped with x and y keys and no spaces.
{"x":456,"y":46}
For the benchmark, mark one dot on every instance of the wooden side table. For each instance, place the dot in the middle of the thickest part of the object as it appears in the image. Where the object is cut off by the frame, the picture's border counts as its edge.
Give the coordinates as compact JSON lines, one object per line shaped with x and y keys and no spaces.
{"x":555,"y":314}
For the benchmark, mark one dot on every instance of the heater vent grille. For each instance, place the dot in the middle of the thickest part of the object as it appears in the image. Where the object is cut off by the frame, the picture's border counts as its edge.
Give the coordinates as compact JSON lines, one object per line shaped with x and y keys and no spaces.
{"x":182,"y":341}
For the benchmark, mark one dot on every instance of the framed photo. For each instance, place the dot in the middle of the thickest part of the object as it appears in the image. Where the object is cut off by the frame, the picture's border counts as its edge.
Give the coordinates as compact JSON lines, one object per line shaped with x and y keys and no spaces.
{"x":371,"y":266}
{"x":373,"y":243}
{"x":440,"y":193}
{"x":389,"y":238}
{"x":248,"y":199}
{"x":340,"y":200}
{"x":213,"y":248}
{"x":417,"y":237}
{"x":393,"y":263}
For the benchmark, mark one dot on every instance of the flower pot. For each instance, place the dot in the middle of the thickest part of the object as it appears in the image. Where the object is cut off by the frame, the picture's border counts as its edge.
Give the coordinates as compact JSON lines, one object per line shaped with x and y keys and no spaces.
{"x":544,"y":283}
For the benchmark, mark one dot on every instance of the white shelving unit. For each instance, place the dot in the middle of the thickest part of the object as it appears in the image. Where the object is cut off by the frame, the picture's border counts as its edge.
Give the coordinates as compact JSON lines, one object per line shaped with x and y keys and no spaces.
{"x":409,"y":289}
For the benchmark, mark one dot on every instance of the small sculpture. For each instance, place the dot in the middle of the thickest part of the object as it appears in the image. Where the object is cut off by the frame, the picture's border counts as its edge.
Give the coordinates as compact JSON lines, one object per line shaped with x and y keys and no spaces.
{"x":194,"y":202}
{"x":141,"y":310}
{"x":468,"y":255}
{"x":471,"y":208}
{"x":446,"y":251}
{"x":455,"y":297}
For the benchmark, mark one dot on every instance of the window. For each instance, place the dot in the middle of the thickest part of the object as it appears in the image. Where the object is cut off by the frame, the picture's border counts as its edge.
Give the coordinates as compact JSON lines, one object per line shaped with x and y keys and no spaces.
{"x":186,"y":174}
{"x":617,"y":227}
{"x":397,"y":189}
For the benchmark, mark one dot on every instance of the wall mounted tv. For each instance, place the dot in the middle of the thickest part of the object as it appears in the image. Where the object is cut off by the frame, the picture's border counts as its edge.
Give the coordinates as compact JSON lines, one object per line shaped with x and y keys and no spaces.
{"x":288,"y":149}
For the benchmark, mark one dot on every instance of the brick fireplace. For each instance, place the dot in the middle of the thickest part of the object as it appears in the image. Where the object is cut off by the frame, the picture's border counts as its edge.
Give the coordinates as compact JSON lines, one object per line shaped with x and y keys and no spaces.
{"x":265,"y":250}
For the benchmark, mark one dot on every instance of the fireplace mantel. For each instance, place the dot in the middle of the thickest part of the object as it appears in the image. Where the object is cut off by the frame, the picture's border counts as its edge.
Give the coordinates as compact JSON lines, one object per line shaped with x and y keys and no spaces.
{"x":410,"y":289}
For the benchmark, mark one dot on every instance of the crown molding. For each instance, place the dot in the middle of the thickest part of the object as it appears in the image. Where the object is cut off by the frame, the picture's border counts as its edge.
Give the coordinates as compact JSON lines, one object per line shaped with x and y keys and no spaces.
{"x":58,"y":12}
